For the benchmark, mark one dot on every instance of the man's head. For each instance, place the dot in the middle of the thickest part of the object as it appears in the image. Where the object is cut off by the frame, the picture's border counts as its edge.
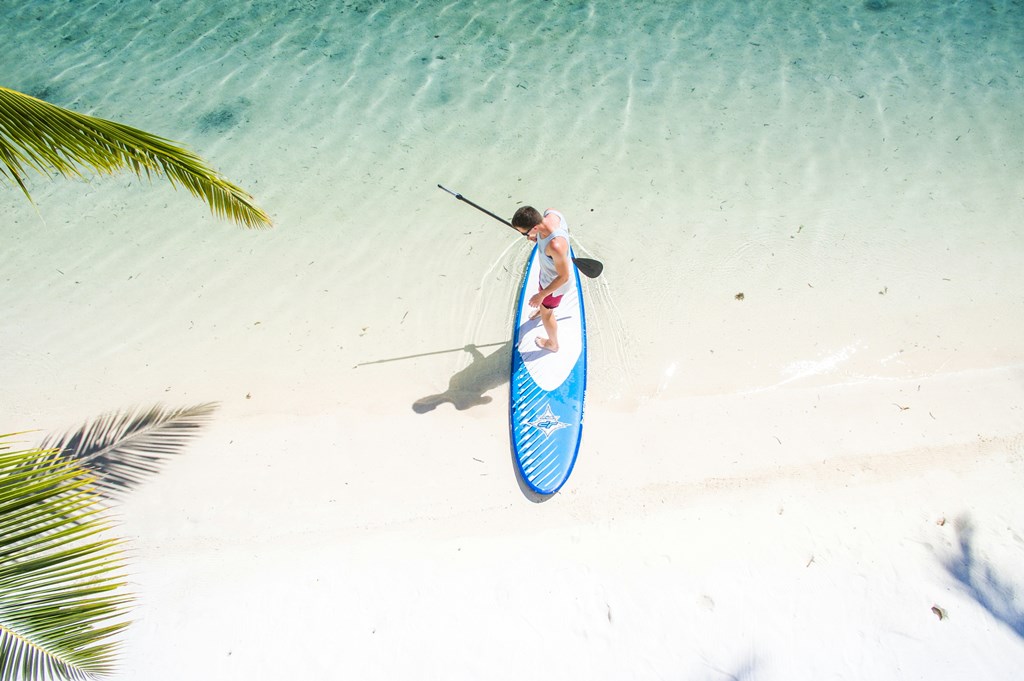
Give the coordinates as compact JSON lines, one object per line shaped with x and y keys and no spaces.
{"x":526,"y":218}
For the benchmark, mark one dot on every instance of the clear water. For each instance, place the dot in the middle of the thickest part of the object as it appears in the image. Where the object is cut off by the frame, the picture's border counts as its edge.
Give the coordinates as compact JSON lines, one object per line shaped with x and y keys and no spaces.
{"x":854,"y":169}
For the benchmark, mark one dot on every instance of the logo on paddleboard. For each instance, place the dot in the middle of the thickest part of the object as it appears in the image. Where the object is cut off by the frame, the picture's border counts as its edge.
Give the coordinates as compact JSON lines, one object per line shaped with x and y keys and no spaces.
{"x":548,"y":422}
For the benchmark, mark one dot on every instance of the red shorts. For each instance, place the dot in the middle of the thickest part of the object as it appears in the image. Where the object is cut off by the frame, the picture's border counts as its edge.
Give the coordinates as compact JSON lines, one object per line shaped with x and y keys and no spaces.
{"x":551,"y":302}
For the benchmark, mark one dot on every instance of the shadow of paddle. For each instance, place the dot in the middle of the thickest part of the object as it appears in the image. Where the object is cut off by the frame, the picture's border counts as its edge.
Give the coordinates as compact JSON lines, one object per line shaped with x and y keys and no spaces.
{"x":466,"y":388}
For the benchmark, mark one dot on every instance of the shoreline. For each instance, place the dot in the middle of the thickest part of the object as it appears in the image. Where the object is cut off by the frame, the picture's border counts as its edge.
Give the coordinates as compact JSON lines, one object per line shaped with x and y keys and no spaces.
{"x":783,"y":434}
{"x":793,"y":524}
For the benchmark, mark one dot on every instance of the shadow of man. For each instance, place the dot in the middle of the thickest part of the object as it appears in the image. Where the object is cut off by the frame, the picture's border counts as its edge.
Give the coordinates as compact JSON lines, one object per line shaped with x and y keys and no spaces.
{"x":467,"y":387}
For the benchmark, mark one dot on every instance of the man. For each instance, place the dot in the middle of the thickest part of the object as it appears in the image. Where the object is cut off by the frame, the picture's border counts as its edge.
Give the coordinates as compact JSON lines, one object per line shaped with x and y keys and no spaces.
{"x":551,"y":232}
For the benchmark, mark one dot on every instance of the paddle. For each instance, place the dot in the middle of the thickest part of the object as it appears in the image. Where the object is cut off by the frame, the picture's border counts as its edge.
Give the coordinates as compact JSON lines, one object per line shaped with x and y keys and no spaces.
{"x":588,"y":266}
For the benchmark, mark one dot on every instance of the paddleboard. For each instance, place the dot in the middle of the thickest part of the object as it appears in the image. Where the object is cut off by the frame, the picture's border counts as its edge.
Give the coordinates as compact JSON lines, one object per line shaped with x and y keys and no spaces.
{"x":547,"y":388}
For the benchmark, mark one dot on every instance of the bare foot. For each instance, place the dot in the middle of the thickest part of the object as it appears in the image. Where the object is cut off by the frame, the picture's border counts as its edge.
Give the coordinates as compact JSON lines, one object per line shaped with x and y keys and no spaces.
{"x":545,"y":344}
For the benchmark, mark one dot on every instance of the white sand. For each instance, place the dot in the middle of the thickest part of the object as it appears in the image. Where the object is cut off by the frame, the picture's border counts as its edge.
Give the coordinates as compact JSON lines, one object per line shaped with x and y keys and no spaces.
{"x":782,"y":487}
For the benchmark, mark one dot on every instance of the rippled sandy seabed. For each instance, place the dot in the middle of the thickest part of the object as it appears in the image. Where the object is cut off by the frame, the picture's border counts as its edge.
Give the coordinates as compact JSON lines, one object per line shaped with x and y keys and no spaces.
{"x":812,"y":220}
{"x":854,"y":170}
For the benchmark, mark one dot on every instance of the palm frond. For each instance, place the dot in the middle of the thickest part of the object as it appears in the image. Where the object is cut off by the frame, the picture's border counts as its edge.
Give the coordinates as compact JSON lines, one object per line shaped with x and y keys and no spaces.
{"x":44,"y":137}
{"x":62,"y":598}
{"x":122,"y":449}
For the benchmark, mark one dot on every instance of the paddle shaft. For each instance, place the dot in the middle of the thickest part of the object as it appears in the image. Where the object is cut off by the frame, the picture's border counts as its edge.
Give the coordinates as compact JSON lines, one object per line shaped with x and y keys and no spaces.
{"x":591,"y":268}
{"x":480,"y":208}
{"x":465,"y":348}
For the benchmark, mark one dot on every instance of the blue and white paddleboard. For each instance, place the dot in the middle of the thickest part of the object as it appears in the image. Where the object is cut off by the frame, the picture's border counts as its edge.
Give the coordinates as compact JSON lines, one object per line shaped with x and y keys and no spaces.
{"x":547,"y":388}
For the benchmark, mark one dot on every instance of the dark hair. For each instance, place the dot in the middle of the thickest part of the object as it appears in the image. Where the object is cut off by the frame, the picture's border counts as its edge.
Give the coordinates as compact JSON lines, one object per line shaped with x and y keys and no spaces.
{"x":527,"y":217}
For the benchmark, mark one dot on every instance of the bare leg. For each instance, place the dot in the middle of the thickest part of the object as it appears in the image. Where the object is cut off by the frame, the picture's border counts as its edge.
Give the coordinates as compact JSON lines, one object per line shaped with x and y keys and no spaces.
{"x":551,"y":327}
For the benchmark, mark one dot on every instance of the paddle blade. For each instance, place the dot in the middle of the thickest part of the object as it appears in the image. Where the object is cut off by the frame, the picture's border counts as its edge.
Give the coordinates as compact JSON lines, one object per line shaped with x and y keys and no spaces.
{"x":589,"y":267}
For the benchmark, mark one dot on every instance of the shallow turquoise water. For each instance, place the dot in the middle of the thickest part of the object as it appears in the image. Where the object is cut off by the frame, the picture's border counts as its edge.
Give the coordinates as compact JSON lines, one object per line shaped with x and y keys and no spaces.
{"x":810,"y":155}
{"x":593,"y":85}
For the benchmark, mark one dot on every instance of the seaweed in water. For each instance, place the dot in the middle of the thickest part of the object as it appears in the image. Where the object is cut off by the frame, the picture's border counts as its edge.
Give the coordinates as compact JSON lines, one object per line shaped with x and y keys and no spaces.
{"x":218,"y":120}
{"x":224,"y":117}
{"x":877,"y":5}
{"x":48,"y":93}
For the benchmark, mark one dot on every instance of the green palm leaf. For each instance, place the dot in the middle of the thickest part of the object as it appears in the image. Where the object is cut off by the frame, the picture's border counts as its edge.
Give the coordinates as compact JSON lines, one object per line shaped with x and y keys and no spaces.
{"x":62,"y":594}
{"x":122,"y":449}
{"x":41,"y":136}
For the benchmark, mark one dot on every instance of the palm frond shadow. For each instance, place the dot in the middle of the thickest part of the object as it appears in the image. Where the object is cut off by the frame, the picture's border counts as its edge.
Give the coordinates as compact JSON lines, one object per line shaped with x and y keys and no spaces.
{"x":982,"y":581}
{"x":123,"y":449}
{"x":745,"y":671}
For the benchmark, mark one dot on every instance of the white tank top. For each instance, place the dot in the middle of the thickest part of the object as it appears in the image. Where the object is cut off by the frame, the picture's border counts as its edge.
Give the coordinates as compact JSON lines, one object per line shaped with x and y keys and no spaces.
{"x":548,"y":273}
